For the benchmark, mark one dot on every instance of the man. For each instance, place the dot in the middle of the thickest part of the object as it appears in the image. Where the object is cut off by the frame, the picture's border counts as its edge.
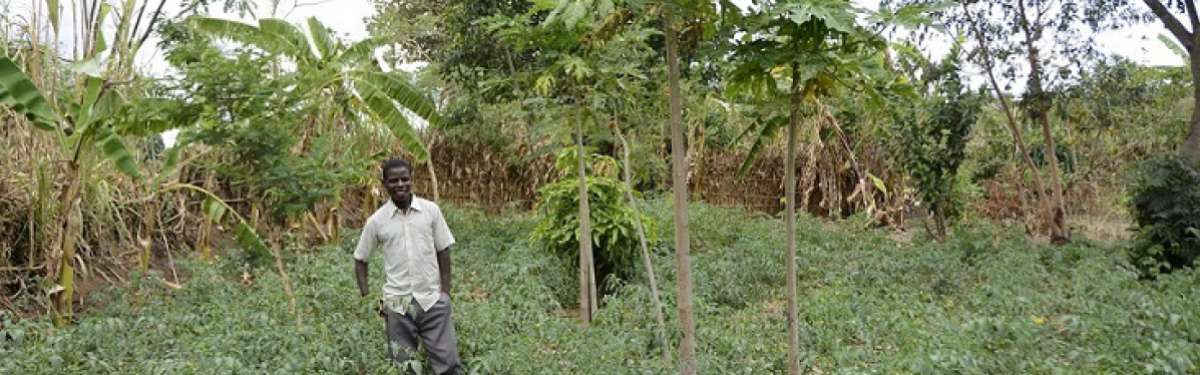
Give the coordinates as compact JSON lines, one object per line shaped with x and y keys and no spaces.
{"x":415,"y":241}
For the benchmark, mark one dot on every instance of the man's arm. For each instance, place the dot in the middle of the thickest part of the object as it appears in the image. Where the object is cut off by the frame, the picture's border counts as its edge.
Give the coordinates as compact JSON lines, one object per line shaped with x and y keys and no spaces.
{"x":443,"y":259}
{"x":360,"y":273}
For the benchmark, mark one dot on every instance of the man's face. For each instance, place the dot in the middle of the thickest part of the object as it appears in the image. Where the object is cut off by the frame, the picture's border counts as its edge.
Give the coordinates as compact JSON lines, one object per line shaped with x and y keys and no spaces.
{"x":398,"y":182}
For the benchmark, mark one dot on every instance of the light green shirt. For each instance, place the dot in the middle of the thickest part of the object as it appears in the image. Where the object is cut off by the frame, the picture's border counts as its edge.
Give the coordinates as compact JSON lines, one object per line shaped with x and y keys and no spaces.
{"x":410,"y":242}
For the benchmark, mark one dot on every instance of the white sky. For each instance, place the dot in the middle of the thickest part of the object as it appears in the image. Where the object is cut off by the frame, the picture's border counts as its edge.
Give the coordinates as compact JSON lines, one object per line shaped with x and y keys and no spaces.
{"x":347,"y":18}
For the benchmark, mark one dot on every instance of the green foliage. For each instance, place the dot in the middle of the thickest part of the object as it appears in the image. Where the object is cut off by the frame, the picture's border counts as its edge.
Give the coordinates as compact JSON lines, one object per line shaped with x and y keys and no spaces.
{"x":18,"y":93}
{"x":868,"y":306}
{"x":1165,"y":198}
{"x":614,"y":234}
{"x":382,"y":97}
{"x":931,"y":140}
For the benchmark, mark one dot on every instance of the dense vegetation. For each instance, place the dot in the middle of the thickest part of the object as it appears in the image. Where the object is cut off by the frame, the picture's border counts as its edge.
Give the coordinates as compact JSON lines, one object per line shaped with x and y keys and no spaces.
{"x":986,"y":301}
{"x":1023,"y":202}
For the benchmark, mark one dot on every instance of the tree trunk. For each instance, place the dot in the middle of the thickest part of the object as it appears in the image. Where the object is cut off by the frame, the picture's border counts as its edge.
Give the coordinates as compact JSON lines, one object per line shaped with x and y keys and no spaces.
{"x":939,"y":219}
{"x":793,"y":332}
{"x":1039,"y":186}
{"x":335,"y":217}
{"x":146,"y":240}
{"x":679,"y":186}
{"x":206,"y":227}
{"x":1060,"y":232}
{"x":64,"y":300}
{"x":587,"y":274}
{"x":1190,"y":148}
{"x":433,"y":180}
{"x":646,"y":261}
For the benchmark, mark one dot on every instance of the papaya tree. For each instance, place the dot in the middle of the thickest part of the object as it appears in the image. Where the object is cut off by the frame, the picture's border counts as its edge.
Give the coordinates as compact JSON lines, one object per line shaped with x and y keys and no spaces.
{"x":702,"y":19}
{"x":791,"y":55}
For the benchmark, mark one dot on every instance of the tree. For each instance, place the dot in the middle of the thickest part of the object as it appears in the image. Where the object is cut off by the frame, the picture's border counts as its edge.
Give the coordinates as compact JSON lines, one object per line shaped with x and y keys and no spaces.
{"x":932,"y":137}
{"x":1112,"y":13}
{"x":695,"y":17}
{"x":1046,"y":30}
{"x":803,"y":51}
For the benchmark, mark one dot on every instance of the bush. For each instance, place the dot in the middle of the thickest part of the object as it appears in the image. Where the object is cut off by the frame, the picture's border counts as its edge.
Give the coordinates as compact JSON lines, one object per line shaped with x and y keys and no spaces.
{"x":614,"y":235}
{"x":1165,"y":199}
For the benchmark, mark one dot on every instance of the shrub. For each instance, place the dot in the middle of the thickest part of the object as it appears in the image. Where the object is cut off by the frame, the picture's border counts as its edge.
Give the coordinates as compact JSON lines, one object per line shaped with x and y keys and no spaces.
{"x":614,"y":235}
{"x":1165,"y":199}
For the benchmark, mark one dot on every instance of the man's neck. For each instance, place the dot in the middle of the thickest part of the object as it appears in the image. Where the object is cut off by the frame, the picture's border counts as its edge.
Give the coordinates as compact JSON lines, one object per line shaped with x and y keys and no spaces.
{"x":403,"y":204}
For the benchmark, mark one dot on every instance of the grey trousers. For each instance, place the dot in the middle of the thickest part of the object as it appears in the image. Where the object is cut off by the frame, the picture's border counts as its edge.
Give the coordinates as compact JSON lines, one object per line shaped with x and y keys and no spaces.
{"x":436,"y":331}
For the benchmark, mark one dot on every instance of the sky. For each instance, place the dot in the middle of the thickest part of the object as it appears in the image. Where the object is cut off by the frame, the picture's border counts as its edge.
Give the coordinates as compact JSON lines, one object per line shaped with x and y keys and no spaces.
{"x":347,"y":18}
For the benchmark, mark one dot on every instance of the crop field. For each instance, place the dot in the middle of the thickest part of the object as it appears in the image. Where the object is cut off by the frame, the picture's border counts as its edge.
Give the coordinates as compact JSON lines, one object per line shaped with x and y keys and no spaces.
{"x":978,"y":304}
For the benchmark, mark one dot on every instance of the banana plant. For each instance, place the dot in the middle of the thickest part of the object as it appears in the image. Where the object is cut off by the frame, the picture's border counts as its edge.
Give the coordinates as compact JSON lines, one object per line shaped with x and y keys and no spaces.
{"x":86,"y":131}
{"x":327,"y":67}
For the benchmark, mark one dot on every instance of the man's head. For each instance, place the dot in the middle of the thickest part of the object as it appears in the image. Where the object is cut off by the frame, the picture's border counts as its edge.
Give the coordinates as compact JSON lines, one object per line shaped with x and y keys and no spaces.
{"x":397,"y":179}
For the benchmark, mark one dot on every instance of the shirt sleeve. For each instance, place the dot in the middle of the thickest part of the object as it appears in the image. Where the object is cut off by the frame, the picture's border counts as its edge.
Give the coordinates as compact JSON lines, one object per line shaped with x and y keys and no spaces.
{"x":367,"y":242}
{"x":442,"y":238}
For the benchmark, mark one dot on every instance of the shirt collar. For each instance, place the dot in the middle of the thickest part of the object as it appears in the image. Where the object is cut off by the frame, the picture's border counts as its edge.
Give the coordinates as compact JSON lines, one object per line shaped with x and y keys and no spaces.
{"x":392,"y":209}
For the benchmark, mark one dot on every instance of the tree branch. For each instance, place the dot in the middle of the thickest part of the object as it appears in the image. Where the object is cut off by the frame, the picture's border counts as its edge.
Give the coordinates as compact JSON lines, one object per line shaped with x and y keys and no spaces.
{"x":138,"y":24}
{"x":1191,"y":12}
{"x":1173,"y":25}
{"x":150,"y":26}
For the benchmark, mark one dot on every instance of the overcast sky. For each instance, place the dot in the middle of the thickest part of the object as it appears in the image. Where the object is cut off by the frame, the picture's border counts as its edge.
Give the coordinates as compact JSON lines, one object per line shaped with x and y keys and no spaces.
{"x":347,"y":18}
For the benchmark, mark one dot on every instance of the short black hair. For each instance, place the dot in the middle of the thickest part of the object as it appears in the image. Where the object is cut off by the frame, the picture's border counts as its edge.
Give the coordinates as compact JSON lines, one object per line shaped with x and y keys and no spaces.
{"x":393,"y":163}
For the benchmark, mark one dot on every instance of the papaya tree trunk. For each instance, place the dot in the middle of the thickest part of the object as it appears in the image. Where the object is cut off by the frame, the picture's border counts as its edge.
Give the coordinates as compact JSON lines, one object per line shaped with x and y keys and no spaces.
{"x":793,"y":331}
{"x":646,"y":260}
{"x":679,"y":186}
{"x":587,"y":275}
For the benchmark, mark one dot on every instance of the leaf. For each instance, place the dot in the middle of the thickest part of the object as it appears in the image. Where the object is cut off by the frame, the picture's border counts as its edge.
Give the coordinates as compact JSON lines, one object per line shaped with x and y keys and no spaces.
{"x":213,"y":209}
{"x":321,"y":38}
{"x":98,"y":42}
{"x":251,"y":241}
{"x":382,"y":108}
{"x":91,"y":94}
{"x":398,"y":89}
{"x":169,"y":166}
{"x":1173,"y":46}
{"x":273,"y":42}
{"x":879,"y":185}
{"x":362,"y":50}
{"x":114,"y":149}
{"x":52,"y":9}
{"x":19,"y":93}
{"x":89,"y":67}
{"x":768,"y":132}
{"x":289,"y":34}
{"x":149,"y":116}
{"x":574,"y":13}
